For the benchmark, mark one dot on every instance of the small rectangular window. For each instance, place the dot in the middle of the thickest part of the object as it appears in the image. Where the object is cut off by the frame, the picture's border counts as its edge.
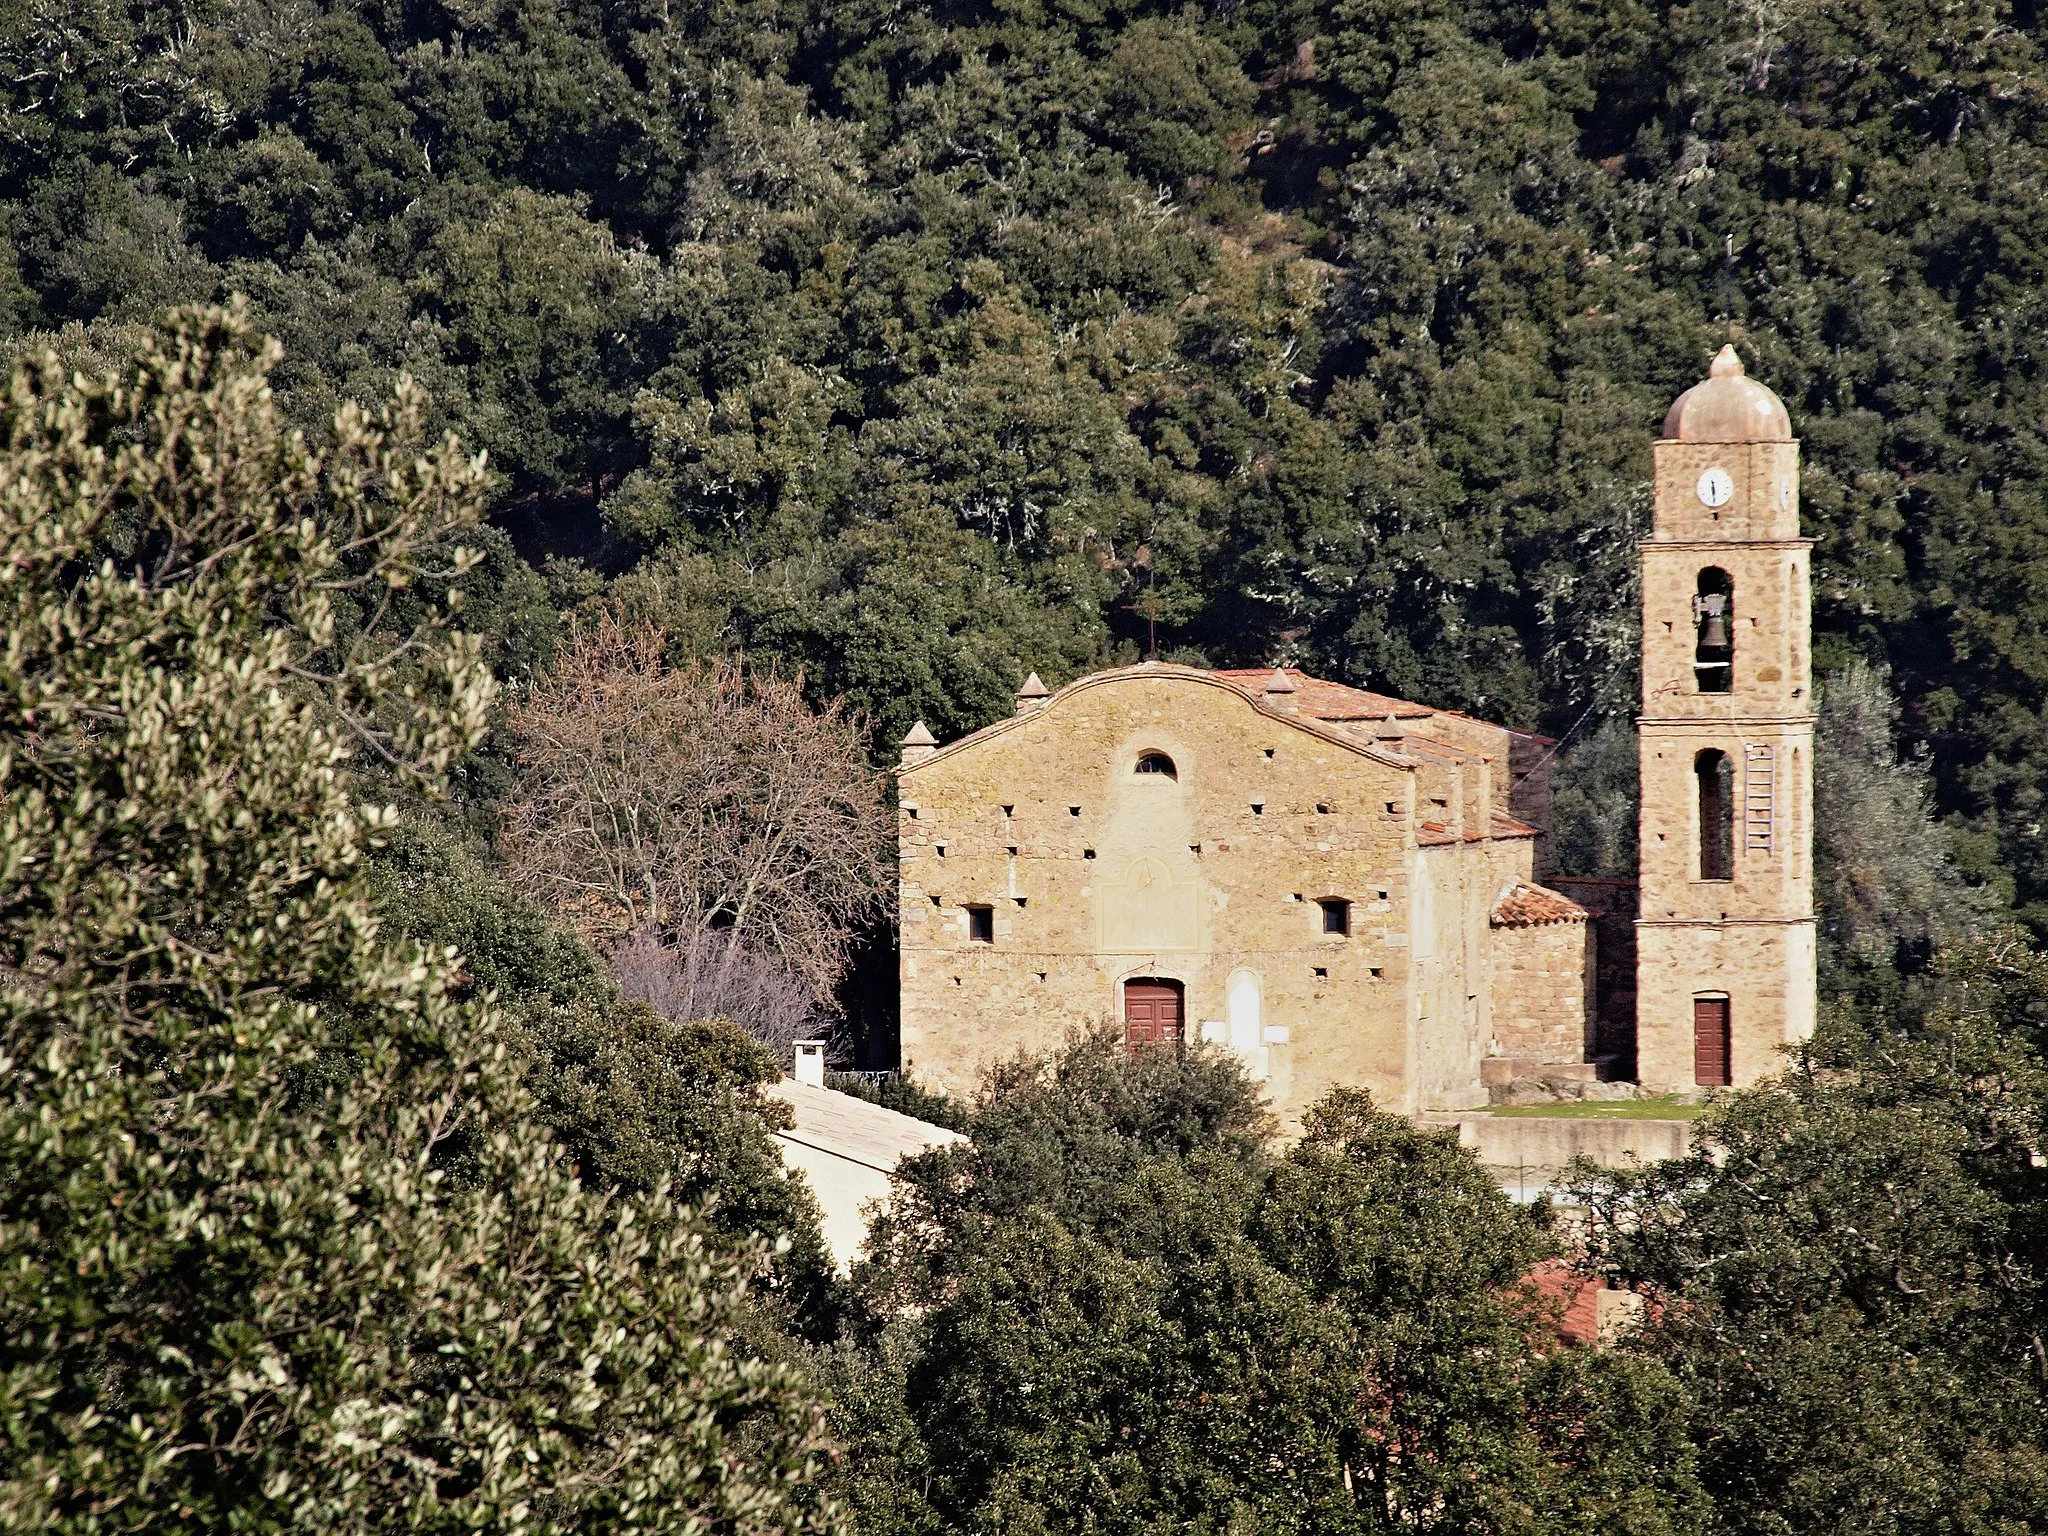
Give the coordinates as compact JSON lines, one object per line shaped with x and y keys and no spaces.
{"x":1073,"y":810}
{"x":981,"y":925}
{"x":1336,"y":916}
{"x":1393,"y":807}
{"x":1322,"y":973}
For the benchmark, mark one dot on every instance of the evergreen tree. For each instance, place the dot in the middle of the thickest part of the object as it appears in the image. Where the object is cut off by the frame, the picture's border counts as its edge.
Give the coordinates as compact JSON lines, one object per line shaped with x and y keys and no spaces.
{"x":1847,"y":1272}
{"x":1121,"y":1308}
{"x":281,"y":1246}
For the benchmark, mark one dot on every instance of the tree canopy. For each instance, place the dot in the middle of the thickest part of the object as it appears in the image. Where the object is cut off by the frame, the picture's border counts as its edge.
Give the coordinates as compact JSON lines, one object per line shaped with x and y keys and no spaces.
{"x":921,"y":348}
{"x":279,"y":1247}
{"x":1122,"y":1307}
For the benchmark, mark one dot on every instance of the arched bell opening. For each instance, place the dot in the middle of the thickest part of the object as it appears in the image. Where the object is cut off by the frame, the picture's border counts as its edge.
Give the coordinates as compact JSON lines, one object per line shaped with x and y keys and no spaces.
{"x":1713,"y":613}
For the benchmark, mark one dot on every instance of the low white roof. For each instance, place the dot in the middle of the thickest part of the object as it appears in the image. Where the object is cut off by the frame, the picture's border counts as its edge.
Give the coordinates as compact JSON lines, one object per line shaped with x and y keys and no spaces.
{"x":844,"y":1126}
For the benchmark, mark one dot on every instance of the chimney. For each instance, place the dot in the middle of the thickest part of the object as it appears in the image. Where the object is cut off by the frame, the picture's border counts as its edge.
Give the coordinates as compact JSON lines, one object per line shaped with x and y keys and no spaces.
{"x":810,"y":1063}
{"x":1280,"y":689}
{"x":1390,"y":735}
{"x":918,"y":745}
{"x":1032,"y":695}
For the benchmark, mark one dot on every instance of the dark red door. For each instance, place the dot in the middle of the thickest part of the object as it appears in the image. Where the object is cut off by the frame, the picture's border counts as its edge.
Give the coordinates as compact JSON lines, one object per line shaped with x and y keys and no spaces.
{"x":1152,"y":1013}
{"x":1710,"y":1042}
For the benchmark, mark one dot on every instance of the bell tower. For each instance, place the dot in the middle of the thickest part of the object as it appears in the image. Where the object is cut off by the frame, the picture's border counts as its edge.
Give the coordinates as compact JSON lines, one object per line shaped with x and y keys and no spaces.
{"x":1725,"y":928}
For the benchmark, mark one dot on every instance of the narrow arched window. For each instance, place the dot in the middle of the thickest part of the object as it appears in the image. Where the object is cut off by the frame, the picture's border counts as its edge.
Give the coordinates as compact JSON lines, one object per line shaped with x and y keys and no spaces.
{"x":1716,"y":775}
{"x":1156,"y":762}
{"x":1713,"y":613}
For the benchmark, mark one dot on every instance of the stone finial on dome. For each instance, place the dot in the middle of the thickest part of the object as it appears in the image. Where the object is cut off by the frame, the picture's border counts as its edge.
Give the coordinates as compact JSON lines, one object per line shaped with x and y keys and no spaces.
{"x":919,"y":744}
{"x":1033,"y":694}
{"x":1728,"y":407}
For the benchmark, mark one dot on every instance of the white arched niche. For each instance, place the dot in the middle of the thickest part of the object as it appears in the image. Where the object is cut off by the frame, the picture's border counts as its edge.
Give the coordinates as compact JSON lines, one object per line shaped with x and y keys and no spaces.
{"x":1244,"y":1007}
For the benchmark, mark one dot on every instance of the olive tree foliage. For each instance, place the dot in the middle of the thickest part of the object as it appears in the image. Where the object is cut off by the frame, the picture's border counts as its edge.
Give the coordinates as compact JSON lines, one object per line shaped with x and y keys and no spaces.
{"x":1885,"y":878}
{"x":278,"y":1248}
{"x":1597,"y":803}
{"x":694,"y":798}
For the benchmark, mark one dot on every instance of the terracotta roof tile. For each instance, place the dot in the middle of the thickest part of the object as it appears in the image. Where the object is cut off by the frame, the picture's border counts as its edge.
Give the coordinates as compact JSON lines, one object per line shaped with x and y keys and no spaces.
{"x":1522,"y":905}
{"x":1321,"y":699}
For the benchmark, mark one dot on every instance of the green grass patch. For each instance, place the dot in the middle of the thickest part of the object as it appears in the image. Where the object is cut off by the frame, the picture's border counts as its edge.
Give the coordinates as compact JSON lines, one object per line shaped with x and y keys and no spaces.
{"x":1669,"y":1108}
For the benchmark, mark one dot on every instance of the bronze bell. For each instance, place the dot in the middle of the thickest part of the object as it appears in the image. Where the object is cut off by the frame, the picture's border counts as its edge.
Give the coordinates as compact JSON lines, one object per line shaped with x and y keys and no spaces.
{"x":1711,"y":608}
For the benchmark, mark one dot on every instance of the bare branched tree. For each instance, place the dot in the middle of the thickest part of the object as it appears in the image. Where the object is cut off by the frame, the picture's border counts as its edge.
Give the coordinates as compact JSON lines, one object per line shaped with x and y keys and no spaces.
{"x":695,"y":800}
{"x":705,"y":976}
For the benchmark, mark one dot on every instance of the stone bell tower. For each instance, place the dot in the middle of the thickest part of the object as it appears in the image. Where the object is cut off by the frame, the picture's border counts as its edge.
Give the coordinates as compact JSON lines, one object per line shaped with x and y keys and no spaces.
{"x":1725,"y":929}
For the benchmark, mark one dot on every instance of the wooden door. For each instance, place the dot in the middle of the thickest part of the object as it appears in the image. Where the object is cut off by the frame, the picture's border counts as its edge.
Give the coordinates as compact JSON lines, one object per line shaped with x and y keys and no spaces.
{"x":1152,"y":1013}
{"x":1710,"y":1065}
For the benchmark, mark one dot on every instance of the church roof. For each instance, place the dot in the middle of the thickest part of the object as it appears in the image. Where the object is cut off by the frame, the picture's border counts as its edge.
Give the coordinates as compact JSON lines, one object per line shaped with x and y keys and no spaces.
{"x":1436,"y":834}
{"x":1522,"y":905}
{"x":1321,"y":699}
{"x":1340,"y":703}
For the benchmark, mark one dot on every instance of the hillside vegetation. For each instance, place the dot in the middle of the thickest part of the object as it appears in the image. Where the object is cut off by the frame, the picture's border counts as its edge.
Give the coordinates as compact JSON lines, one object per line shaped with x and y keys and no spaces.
{"x":923,"y":345}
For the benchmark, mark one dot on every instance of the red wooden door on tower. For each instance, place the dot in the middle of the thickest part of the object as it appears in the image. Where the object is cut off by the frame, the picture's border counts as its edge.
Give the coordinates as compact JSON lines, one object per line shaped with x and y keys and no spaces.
{"x":1152,"y":1013}
{"x":1710,"y":1065}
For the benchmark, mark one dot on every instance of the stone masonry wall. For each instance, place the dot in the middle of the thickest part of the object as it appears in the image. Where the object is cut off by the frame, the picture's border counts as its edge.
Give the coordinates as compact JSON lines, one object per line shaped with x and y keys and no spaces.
{"x":1095,"y":874}
{"x":1542,"y":992}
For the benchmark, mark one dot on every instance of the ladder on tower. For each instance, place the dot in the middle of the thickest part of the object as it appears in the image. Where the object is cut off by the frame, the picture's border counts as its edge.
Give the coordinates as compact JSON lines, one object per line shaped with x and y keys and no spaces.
{"x":1759,"y":792}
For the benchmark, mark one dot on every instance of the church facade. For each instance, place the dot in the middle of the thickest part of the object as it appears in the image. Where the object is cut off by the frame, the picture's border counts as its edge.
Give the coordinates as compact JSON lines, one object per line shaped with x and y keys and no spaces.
{"x":1337,"y":885}
{"x":1347,"y":888}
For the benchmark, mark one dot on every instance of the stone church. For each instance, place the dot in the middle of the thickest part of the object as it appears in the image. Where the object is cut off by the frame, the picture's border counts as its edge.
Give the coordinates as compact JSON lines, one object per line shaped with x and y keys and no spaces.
{"x":1349,"y":888}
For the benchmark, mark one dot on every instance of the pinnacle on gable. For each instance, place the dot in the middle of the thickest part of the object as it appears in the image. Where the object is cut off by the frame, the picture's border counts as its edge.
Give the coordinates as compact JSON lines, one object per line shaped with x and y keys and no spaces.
{"x":1032,"y":694}
{"x":918,"y":745}
{"x":1280,"y":682}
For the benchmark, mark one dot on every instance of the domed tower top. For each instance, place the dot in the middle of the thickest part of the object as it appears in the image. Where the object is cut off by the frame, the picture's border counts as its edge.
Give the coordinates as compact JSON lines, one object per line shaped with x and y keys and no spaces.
{"x":1727,"y":407}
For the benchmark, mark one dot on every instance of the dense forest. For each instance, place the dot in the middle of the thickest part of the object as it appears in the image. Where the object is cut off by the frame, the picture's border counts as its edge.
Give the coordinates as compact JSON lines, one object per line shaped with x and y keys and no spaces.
{"x":482,"y":487}
{"x":922,"y":346}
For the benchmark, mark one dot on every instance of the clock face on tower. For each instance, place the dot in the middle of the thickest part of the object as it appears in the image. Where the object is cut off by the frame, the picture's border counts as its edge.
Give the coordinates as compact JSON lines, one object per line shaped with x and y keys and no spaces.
{"x":1716,"y":487}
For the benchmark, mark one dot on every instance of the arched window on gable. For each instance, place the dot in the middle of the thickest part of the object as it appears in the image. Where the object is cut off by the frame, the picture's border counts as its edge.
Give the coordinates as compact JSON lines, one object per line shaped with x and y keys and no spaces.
{"x":1156,"y":762}
{"x":1716,"y":775}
